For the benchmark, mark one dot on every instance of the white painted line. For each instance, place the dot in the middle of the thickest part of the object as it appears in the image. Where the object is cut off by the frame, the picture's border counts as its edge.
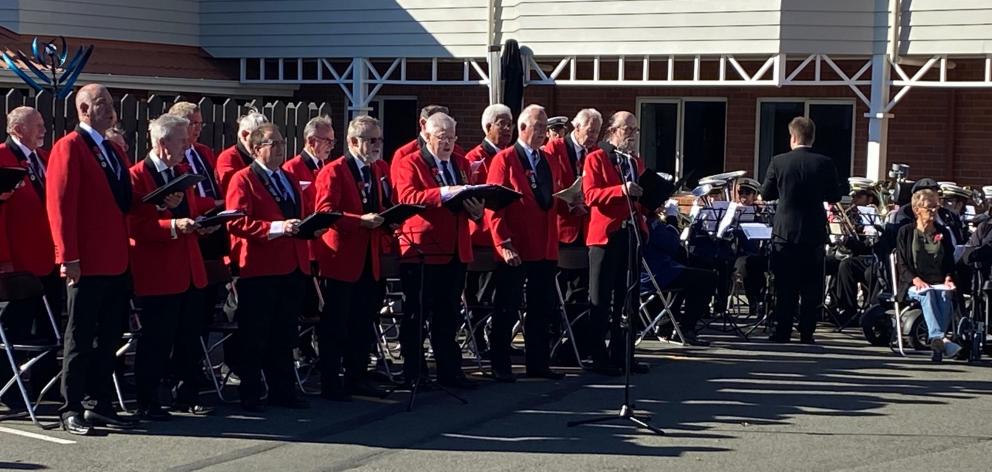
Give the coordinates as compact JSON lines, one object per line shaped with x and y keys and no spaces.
{"x":35,"y":436}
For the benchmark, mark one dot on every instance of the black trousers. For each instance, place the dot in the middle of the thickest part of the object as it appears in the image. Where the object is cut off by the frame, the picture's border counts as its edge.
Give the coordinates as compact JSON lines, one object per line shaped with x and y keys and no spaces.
{"x":724,"y":269}
{"x":440,"y":309}
{"x":98,"y":311}
{"x":697,"y":287}
{"x":344,"y":333}
{"x":27,"y":321}
{"x":538,"y":277}
{"x":608,"y":291}
{"x":170,"y":330}
{"x":853,"y":271}
{"x":798,"y":270}
{"x":752,"y":271}
{"x":268,"y":311}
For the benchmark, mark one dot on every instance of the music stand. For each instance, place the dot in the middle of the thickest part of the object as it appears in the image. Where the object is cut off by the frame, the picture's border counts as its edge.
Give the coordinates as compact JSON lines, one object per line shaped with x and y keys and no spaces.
{"x":634,"y":244}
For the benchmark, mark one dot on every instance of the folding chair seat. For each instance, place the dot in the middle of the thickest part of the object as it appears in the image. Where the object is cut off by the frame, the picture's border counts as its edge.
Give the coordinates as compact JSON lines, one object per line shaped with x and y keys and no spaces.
{"x":570,"y":258}
{"x":20,"y":286}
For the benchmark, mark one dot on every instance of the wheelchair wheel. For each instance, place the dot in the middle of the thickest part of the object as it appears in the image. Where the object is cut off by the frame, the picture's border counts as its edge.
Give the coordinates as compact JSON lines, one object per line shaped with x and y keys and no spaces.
{"x":919,"y":335}
{"x":876,"y":323}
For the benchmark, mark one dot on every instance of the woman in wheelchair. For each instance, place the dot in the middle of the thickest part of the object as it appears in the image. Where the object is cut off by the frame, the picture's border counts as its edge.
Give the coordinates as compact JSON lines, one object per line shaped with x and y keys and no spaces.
{"x":926,"y":264}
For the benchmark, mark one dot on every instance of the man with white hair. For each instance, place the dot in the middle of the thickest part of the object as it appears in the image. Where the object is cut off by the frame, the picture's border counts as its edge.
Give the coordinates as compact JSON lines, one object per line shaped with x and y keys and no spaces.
{"x":88,"y":194}
{"x":24,"y":229}
{"x":497,"y":126}
{"x":238,"y":157}
{"x":439,"y":238}
{"x":525,"y":235}
{"x":168,"y":272}
{"x":318,"y":137}
{"x":349,"y":257}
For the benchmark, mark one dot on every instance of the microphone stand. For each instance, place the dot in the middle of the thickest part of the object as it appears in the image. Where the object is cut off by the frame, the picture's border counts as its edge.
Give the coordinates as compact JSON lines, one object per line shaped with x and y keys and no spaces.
{"x":420,"y":379}
{"x":634,"y":245}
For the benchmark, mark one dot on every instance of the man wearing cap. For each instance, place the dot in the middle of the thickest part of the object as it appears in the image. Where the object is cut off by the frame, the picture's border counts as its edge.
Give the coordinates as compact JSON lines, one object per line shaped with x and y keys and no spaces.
{"x":955,"y":199}
{"x":859,"y":267}
{"x":557,"y":128}
{"x":750,"y":264}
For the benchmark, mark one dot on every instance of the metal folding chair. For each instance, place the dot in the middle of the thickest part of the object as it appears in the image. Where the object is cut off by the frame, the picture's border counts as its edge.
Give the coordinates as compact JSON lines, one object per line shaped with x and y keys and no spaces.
{"x":667,"y":299}
{"x":130,"y":338}
{"x":20,"y":286}
{"x":483,"y":262}
{"x":576,"y":258}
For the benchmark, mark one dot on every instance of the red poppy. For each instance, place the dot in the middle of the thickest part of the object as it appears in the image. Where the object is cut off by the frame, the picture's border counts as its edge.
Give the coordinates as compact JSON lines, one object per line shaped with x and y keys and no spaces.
{"x":938,"y":237}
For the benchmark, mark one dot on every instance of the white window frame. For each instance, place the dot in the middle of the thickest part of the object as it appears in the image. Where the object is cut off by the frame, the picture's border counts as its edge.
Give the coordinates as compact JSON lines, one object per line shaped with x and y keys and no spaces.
{"x":680,"y":125}
{"x":806,"y":101}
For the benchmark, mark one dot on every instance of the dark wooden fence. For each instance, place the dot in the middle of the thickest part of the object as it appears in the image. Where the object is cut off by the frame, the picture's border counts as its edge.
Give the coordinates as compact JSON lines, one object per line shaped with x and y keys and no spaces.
{"x":220,"y":119}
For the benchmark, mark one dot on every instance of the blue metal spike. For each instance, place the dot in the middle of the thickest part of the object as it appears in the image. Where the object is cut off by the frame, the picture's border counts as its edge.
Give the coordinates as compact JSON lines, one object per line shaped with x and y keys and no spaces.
{"x":37,"y":72}
{"x":67,"y":83}
{"x":35,"y":52}
{"x":64,"y":52}
{"x":17,"y":70}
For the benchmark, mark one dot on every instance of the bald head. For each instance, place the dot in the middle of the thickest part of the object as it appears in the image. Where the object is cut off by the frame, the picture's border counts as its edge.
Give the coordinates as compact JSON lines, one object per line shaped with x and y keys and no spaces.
{"x":623,"y":131}
{"x":95,"y":107}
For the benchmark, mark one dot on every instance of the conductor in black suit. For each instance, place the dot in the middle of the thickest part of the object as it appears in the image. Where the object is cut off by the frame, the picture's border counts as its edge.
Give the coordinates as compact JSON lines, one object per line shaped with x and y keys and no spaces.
{"x":801,"y":180}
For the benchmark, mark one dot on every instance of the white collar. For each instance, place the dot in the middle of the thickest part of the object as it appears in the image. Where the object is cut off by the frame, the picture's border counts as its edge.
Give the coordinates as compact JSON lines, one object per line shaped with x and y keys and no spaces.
{"x":268,"y":171}
{"x":491,"y":143}
{"x":530,"y":150}
{"x":97,"y":137}
{"x":575,"y":145}
{"x":160,"y":165}
{"x":359,"y":162}
{"x":807,"y":146}
{"x":27,"y":152}
{"x":313,"y":158}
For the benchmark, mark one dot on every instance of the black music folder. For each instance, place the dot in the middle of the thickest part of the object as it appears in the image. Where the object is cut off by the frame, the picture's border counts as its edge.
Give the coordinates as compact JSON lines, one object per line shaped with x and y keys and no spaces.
{"x":657,"y":190}
{"x":218,"y":218}
{"x":497,"y":197}
{"x":10,"y":177}
{"x":316,"y":222}
{"x":399,"y":213}
{"x":179,"y":184}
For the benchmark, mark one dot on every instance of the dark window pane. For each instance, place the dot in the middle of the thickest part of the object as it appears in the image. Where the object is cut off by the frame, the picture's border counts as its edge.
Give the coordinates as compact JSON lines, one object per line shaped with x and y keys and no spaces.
{"x":834,"y":134}
{"x":703,"y":139}
{"x":773,"y":133}
{"x":399,"y":124}
{"x":659,"y":129}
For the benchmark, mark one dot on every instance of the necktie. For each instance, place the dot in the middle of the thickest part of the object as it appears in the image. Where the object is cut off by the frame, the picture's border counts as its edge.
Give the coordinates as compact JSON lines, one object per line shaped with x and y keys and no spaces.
{"x":277,"y":182}
{"x":581,"y":162}
{"x":112,"y":161}
{"x":206,"y":187}
{"x":36,"y":168}
{"x":449,"y":178}
{"x":168,"y":175}
{"x":543,"y":172}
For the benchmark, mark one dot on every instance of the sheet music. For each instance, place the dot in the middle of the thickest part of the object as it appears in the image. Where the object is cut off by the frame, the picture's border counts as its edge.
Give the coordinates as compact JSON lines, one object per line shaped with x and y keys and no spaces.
{"x":712,"y":215}
{"x":868,"y":215}
{"x":747,"y":214}
{"x":672,"y":207}
{"x":756,"y":231}
{"x":572,"y":194}
{"x":475,"y":165}
{"x":727,"y":220}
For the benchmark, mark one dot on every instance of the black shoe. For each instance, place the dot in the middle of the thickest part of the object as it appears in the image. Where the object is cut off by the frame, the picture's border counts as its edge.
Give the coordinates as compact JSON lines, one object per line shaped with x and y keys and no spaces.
{"x":108,"y":418}
{"x":252,"y":405}
{"x":806,"y":340}
{"x":504,"y":376}
{"x":74,"y":423}
{"x":639,"y":368}
{"x":292,"y":401}
{"x":604,"y":368}
{"x":460,"y":383}
{"x":337,"y":394}
{"x":364,"y":388}
{"x":192,"y":408}
{"x":938,"y":350}
{"x":692,"y":340}
{"x":544,"y":374}
{"x":155,"y":413}
{"x":778,"y":339}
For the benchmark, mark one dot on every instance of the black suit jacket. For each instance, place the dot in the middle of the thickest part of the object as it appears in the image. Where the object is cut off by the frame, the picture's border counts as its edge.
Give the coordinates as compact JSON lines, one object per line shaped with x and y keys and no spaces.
{"x":801,"y":180}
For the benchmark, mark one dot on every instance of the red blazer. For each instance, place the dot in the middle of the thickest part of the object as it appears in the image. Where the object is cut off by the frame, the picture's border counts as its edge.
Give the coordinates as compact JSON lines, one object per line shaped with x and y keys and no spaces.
{"x":560,"y":151}
{"x":208,"y":154}
{"x":438,"y":232}
{"x":533,"y":231}
{"x":86,"y":220}
{"x":251,"y":248}
{"x":341,"y":251}
{"x":299,"y":167}
{"x":484,"y":153}
{"x":230,"y":161}
{"x":416,"y":144}
{"x":161,"y":265}
{"x":25,"y":220}
{"x":603,"y":190}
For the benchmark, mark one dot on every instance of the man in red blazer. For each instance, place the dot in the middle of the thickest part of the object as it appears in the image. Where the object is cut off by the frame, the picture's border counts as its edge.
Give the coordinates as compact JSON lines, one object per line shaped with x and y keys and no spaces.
{"x":525,"y":235}
{"x":24,"y":226}
{"x":168,"y":272}
{"x":435,"y":247}
{"x":610,"y":174}
{"x":238,"y":157}
{"x":88,"y":194}
{"x":418,"y":143}
{"x":274,"y":266}
{"x":349,"y":257}
{"x":497,"y":125}
{"x":569,"y":152}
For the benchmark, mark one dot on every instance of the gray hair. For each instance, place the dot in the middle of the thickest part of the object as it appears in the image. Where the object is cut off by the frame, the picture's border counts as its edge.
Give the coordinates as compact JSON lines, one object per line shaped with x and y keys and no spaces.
{"x":165,"y":125}
{"x":113,"y":131}
{"x":18,"y":116}
{"x":494,"y":111}
{"x":251,"y":122}
{"x":184,"y":109}
{"x":439,"y":121}
{"x":315,"y":124}
{"x":586,"y":115}
{"x":429,"y":110}
{"x":360,"y":124}
{"x":529,"y":110}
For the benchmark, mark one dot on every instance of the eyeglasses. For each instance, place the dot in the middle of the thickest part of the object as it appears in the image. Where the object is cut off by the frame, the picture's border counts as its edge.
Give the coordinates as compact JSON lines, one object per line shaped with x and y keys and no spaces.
{"x":370,"y":139}
{"x":330,"y":142}
{"x":632,"y":129}
{"x":196,"y":124}
{"x":929,"y":209}
{"x":445,"y":139}
{"x":272,"y":143}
